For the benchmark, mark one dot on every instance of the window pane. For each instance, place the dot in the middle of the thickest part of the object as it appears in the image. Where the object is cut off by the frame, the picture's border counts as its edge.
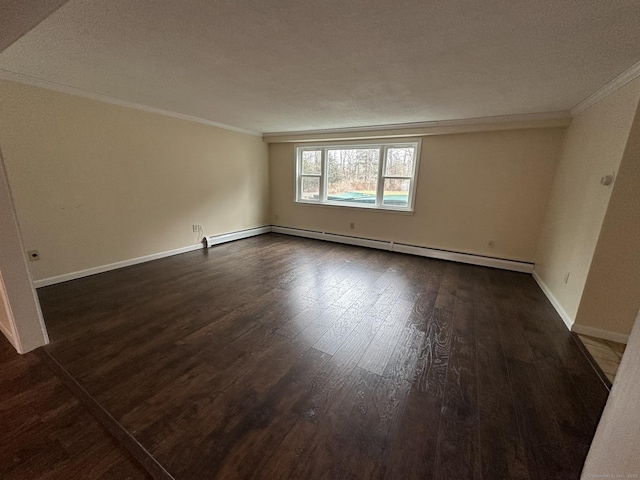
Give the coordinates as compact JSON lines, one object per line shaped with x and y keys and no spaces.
{"x":396,"y":192}
{"x":310,"y":188}
{"x":352,"y":175}
{"x":311,"y":162}
{"x":400,"y":161}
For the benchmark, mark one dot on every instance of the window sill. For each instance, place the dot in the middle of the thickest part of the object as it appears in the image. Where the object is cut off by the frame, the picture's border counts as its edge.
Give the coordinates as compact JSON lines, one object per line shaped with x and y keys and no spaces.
{"x":353,"y":207}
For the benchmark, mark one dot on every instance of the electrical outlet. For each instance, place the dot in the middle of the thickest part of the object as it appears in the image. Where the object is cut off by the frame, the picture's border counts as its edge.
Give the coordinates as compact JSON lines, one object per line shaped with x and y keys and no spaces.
{"x":197,"y":228}
{"x":33,"y":255}
{"x":353,"y":225}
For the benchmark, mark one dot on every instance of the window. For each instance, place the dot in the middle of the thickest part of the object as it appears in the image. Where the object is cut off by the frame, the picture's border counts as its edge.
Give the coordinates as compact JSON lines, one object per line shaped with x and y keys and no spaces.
{"x":373,"y":175}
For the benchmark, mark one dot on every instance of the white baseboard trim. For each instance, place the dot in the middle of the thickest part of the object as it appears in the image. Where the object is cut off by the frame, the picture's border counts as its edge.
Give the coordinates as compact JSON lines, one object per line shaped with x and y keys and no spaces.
{"x":10,"y":336}
{"x":568,"y":321}
{"x":45,"y":282}
{"x":227,"y":237}
{"x":361,"y":242}
{"x":599,"y":333}
{"x":230,"y":237}
{"x":410,"y":249}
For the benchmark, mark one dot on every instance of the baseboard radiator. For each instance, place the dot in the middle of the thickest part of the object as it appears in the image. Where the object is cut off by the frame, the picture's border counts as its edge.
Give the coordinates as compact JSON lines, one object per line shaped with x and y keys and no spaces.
{"x":504,"y":264}
{"x":211,"y":240}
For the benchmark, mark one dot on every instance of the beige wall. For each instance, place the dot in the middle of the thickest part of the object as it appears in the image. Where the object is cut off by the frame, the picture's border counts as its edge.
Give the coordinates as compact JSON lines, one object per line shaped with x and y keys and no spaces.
{"x":611,"y":297}
{"x":27,"y":329}
{"x":593,"y":147}
{"x":96,"y":183}
{"x":472,"y":188}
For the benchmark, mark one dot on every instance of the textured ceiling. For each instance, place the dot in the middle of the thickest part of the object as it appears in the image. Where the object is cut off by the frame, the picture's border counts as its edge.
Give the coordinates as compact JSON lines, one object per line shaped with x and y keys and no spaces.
{"x":290,"y":65}
{"x":17,"y":17}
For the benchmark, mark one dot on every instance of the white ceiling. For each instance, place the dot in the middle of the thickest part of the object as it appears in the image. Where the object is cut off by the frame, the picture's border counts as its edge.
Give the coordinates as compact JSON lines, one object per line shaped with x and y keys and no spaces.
{"x":291,"y":65}
{"x":17,"y":17}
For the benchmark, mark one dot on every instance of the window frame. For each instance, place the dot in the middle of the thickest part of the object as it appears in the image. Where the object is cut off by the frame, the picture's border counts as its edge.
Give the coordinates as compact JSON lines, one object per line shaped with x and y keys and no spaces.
{"x":383,"y":147}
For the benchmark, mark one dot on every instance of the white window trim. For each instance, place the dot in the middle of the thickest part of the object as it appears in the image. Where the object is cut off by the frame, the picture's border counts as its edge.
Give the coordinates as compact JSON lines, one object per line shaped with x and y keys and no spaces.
{"x":383,"y":146}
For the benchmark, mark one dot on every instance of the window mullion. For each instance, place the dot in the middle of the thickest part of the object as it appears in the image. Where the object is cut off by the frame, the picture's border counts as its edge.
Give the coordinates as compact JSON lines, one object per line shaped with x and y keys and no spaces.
{"x":381,"y":169}
{"x":323,"y":175}
{"x":299,"y":175}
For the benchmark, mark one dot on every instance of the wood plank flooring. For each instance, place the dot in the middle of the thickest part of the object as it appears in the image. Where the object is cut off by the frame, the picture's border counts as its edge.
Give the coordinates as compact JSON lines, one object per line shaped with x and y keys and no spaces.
{"x":46,"y":433}
{"x":280,"y":357}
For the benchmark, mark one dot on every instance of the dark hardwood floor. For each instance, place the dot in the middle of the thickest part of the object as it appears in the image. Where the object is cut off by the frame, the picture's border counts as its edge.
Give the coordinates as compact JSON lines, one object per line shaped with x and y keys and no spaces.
{"x":279,"y":357}
{"x":44,"y":431}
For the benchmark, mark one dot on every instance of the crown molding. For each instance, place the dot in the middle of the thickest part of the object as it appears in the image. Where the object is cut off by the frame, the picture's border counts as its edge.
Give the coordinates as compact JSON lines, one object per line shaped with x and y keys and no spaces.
{"x":618,"y":82}
{"x":439,"y":127}
{"x":430,"y":124}
{"x":58,"y":87}
{"x":398,"y":130}
{"x":521,"y":117}
{"x":368,"y":128}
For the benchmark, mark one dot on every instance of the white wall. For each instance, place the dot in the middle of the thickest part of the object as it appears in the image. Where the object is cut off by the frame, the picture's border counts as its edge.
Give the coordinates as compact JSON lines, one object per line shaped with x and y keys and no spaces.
{"x":6,"y":318}
{"x":21,"y":318}
{"x":614,"y":450}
